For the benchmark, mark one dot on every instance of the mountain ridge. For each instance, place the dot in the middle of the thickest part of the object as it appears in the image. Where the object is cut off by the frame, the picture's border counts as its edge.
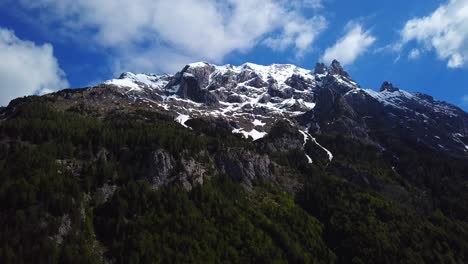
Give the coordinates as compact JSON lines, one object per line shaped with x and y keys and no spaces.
{"x":283,"y":91}
{"x":240,"y":165}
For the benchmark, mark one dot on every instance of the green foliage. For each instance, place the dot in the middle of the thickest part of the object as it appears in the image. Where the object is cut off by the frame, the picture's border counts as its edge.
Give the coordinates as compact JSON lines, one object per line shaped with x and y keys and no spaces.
{"x":52,"y":161}
{"x":53,"y":165}
{"x":365,"y":227}
{"x":206,"y":226}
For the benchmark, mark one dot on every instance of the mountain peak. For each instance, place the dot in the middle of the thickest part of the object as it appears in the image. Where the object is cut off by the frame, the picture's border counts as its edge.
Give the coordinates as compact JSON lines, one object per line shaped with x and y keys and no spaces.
{"x":336,"y":68}
{"x":252,"y":97}
{"x":320,"y":68}
{"x":388,"y":86}
{"x":198,"y":64}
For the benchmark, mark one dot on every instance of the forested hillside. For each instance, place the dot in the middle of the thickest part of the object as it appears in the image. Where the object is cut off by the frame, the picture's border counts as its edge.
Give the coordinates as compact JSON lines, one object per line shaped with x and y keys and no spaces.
{"x":136,"y":187}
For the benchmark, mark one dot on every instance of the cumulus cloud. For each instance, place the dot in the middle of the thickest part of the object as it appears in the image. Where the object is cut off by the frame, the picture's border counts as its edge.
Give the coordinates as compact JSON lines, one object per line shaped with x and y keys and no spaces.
{"x":191,"y":29}
{"x":414,"y":54}
{"x":27,"y":68}
{"x":297,"y":33}
{"x":445,"y":31}
{"x":312,"y":4}
{"x":348,"y":48}
{"x":159,"y":59}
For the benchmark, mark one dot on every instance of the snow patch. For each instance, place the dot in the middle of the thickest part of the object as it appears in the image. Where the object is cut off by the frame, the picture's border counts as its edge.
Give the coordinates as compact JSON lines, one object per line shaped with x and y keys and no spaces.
{"x":278,"y":72}
{"x":198,"y":64}
{"x":173,"y":89}
{"x":330,"y":155}
{"x":345,"y":81}
{"x":136,"y":82}
{"x":307,"y":105}
{"x":177,"y":98}
{"x":309,"y":159}
{"x":255,"y":134}
{"x":181,"y":118}
{"x":257,"y":122}
{"x":124,"y":83}
{"x":399,"y":99}
{"x":188,"y":74}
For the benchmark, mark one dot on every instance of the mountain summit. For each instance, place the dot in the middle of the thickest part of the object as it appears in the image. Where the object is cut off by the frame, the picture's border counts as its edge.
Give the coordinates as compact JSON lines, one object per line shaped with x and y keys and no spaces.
{"x":249,"y":98}
{"x":234,"y":164}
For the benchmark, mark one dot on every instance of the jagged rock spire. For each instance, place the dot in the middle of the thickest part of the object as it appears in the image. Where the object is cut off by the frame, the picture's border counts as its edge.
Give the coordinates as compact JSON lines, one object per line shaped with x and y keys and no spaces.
{"x":388,"y":86}
{"x":335,"y":68}
{"x":320,"y":68}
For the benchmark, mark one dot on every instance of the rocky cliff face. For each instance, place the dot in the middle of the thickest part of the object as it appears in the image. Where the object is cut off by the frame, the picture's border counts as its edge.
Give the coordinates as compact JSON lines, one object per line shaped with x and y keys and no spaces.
{"x":283,"y":108}
{"x":376,"y":168}
{"x":250,"y":98}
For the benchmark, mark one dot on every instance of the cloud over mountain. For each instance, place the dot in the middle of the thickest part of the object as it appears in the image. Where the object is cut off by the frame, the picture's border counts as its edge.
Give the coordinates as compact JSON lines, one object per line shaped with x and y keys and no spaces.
{"x":27,"y":68}
{"x":348,"y":48}
{"x":187,"y":29}
{"x":445,"y":31}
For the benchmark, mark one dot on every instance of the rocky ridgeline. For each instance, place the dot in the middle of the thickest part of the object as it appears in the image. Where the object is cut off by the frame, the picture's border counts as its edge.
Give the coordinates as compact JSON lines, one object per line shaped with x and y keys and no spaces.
{"x":250,"y":98}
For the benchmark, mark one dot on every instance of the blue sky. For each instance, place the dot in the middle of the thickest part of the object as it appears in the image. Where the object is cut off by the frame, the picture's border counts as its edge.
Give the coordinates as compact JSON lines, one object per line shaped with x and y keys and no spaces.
{"x":419,"y":45}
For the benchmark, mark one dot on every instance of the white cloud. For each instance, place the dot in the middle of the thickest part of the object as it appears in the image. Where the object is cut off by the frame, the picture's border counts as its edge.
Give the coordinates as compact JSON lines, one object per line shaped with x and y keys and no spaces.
{"x":445,"y":31}
{"x":414,"y":54}
{"x":297,"y":33}
{"x":191,"y":29}
{"x":160,"y":59}
{"x":27,"y":68}
{"x":312,"y":4}
{"x":347,"y":49}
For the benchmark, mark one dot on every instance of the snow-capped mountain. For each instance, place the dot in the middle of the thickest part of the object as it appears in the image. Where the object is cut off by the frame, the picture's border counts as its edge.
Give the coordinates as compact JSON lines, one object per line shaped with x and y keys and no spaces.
{"x":150,"y":153}
{"x":249,"y":98}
